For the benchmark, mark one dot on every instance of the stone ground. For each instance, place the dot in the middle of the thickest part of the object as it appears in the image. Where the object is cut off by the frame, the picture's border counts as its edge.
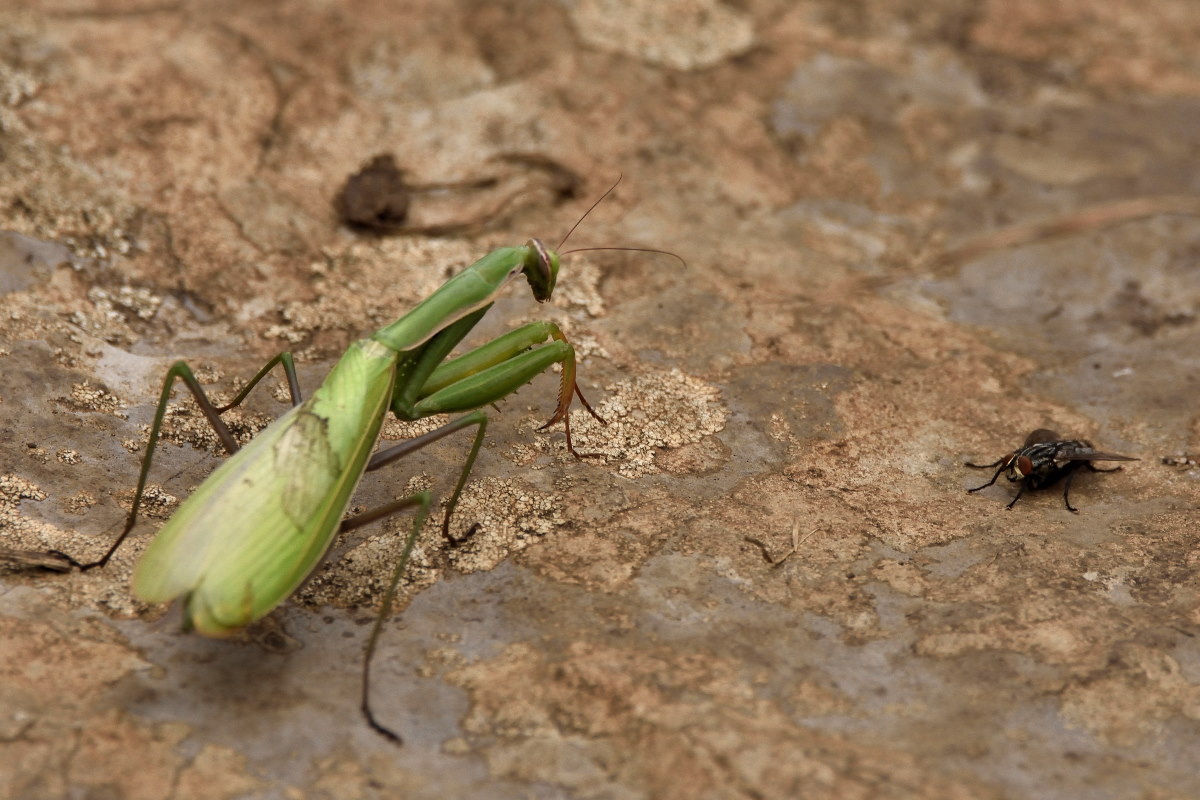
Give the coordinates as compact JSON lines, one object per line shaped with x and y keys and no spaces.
{"x":914,"y":232}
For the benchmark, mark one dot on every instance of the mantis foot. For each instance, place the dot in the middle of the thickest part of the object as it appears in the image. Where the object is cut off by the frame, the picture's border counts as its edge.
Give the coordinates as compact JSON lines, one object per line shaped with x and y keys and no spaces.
{"x":456,"y":541}
{"x":563,"y":413}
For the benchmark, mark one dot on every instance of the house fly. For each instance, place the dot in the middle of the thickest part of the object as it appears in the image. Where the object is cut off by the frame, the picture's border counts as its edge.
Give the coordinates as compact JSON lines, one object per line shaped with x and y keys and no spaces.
{"x":1044,"y":459}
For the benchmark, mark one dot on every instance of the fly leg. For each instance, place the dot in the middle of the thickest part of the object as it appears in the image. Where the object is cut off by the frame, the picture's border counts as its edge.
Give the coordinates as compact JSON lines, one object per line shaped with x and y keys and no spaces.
{"x":1002,"y":464}
{"x":1020,"y":491}
{"x":1067,"y":488}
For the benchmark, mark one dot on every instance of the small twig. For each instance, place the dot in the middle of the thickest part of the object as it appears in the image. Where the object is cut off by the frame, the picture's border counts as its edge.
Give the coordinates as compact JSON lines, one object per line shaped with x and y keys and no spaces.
{"x":796,"y":542}
{"x":35,"y":558}
{"x":1087,"y":219}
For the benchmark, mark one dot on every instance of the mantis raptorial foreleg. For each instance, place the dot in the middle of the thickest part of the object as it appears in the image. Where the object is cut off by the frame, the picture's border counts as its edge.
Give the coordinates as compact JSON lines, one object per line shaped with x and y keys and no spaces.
{"x":500,"y":367}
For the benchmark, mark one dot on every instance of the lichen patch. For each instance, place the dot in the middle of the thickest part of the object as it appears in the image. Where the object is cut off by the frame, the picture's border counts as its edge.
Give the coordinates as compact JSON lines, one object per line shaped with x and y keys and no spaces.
{"x":664,"y":410}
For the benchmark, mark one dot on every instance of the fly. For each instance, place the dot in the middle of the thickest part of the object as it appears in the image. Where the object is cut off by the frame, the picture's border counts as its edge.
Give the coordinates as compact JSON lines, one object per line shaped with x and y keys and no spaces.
{"x":1044,"y":459}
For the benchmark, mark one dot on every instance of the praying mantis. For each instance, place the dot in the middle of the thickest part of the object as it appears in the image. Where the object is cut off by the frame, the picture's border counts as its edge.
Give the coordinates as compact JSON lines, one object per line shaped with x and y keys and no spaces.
{"x":254,"y":531}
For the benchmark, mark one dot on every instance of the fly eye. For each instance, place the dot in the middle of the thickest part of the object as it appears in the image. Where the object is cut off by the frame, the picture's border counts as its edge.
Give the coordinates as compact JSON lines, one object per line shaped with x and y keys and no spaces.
{"x":1022,"y":466}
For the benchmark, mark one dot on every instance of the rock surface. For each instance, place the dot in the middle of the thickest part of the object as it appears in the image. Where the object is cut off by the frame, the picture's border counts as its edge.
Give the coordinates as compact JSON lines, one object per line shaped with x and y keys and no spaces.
{"x":914,"y":232}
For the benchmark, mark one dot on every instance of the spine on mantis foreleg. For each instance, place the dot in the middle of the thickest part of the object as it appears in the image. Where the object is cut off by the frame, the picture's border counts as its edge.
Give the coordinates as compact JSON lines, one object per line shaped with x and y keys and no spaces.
{"x":502,"y":379}
{"x":502,"y":365}
{"x":494,"y":352}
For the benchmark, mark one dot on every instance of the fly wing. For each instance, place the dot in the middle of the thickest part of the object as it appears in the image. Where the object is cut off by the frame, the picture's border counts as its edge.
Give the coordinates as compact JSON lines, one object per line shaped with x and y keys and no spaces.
{"x":1096,"y":455}
{"x":1082,"y":451}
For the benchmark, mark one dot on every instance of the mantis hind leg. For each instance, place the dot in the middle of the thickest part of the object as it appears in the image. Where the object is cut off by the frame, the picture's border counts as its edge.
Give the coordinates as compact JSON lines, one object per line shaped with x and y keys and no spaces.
{"x":422,"y":500}
{"x":289,"y":369}
{"x":181,"y":371}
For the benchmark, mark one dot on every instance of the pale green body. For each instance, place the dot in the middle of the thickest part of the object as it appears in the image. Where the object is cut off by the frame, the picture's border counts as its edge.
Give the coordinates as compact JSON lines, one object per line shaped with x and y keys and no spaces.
{"x":254,"y":530}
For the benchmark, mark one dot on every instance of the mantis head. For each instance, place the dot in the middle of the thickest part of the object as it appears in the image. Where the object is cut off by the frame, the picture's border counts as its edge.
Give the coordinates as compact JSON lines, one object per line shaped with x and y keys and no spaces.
{"x":541,"y":269}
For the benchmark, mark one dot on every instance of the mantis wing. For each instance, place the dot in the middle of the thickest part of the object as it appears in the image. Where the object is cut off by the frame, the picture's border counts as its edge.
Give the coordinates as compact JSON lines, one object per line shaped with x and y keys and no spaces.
{"x":252,"y":532}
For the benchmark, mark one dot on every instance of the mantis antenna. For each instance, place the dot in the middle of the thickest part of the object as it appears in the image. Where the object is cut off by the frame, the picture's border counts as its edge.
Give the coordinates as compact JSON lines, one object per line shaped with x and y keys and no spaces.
{"x":630,"y":249}
{"x":590,"y":210}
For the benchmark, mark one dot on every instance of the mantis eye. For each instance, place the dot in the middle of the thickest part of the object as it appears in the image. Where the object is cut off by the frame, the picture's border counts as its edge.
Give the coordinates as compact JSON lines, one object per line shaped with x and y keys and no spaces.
{"x":543,"y":258}
{"x":541,"y":270}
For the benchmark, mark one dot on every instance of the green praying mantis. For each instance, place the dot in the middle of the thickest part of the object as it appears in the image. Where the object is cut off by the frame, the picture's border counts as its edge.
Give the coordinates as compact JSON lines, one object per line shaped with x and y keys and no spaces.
{"x":254,"y":531}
